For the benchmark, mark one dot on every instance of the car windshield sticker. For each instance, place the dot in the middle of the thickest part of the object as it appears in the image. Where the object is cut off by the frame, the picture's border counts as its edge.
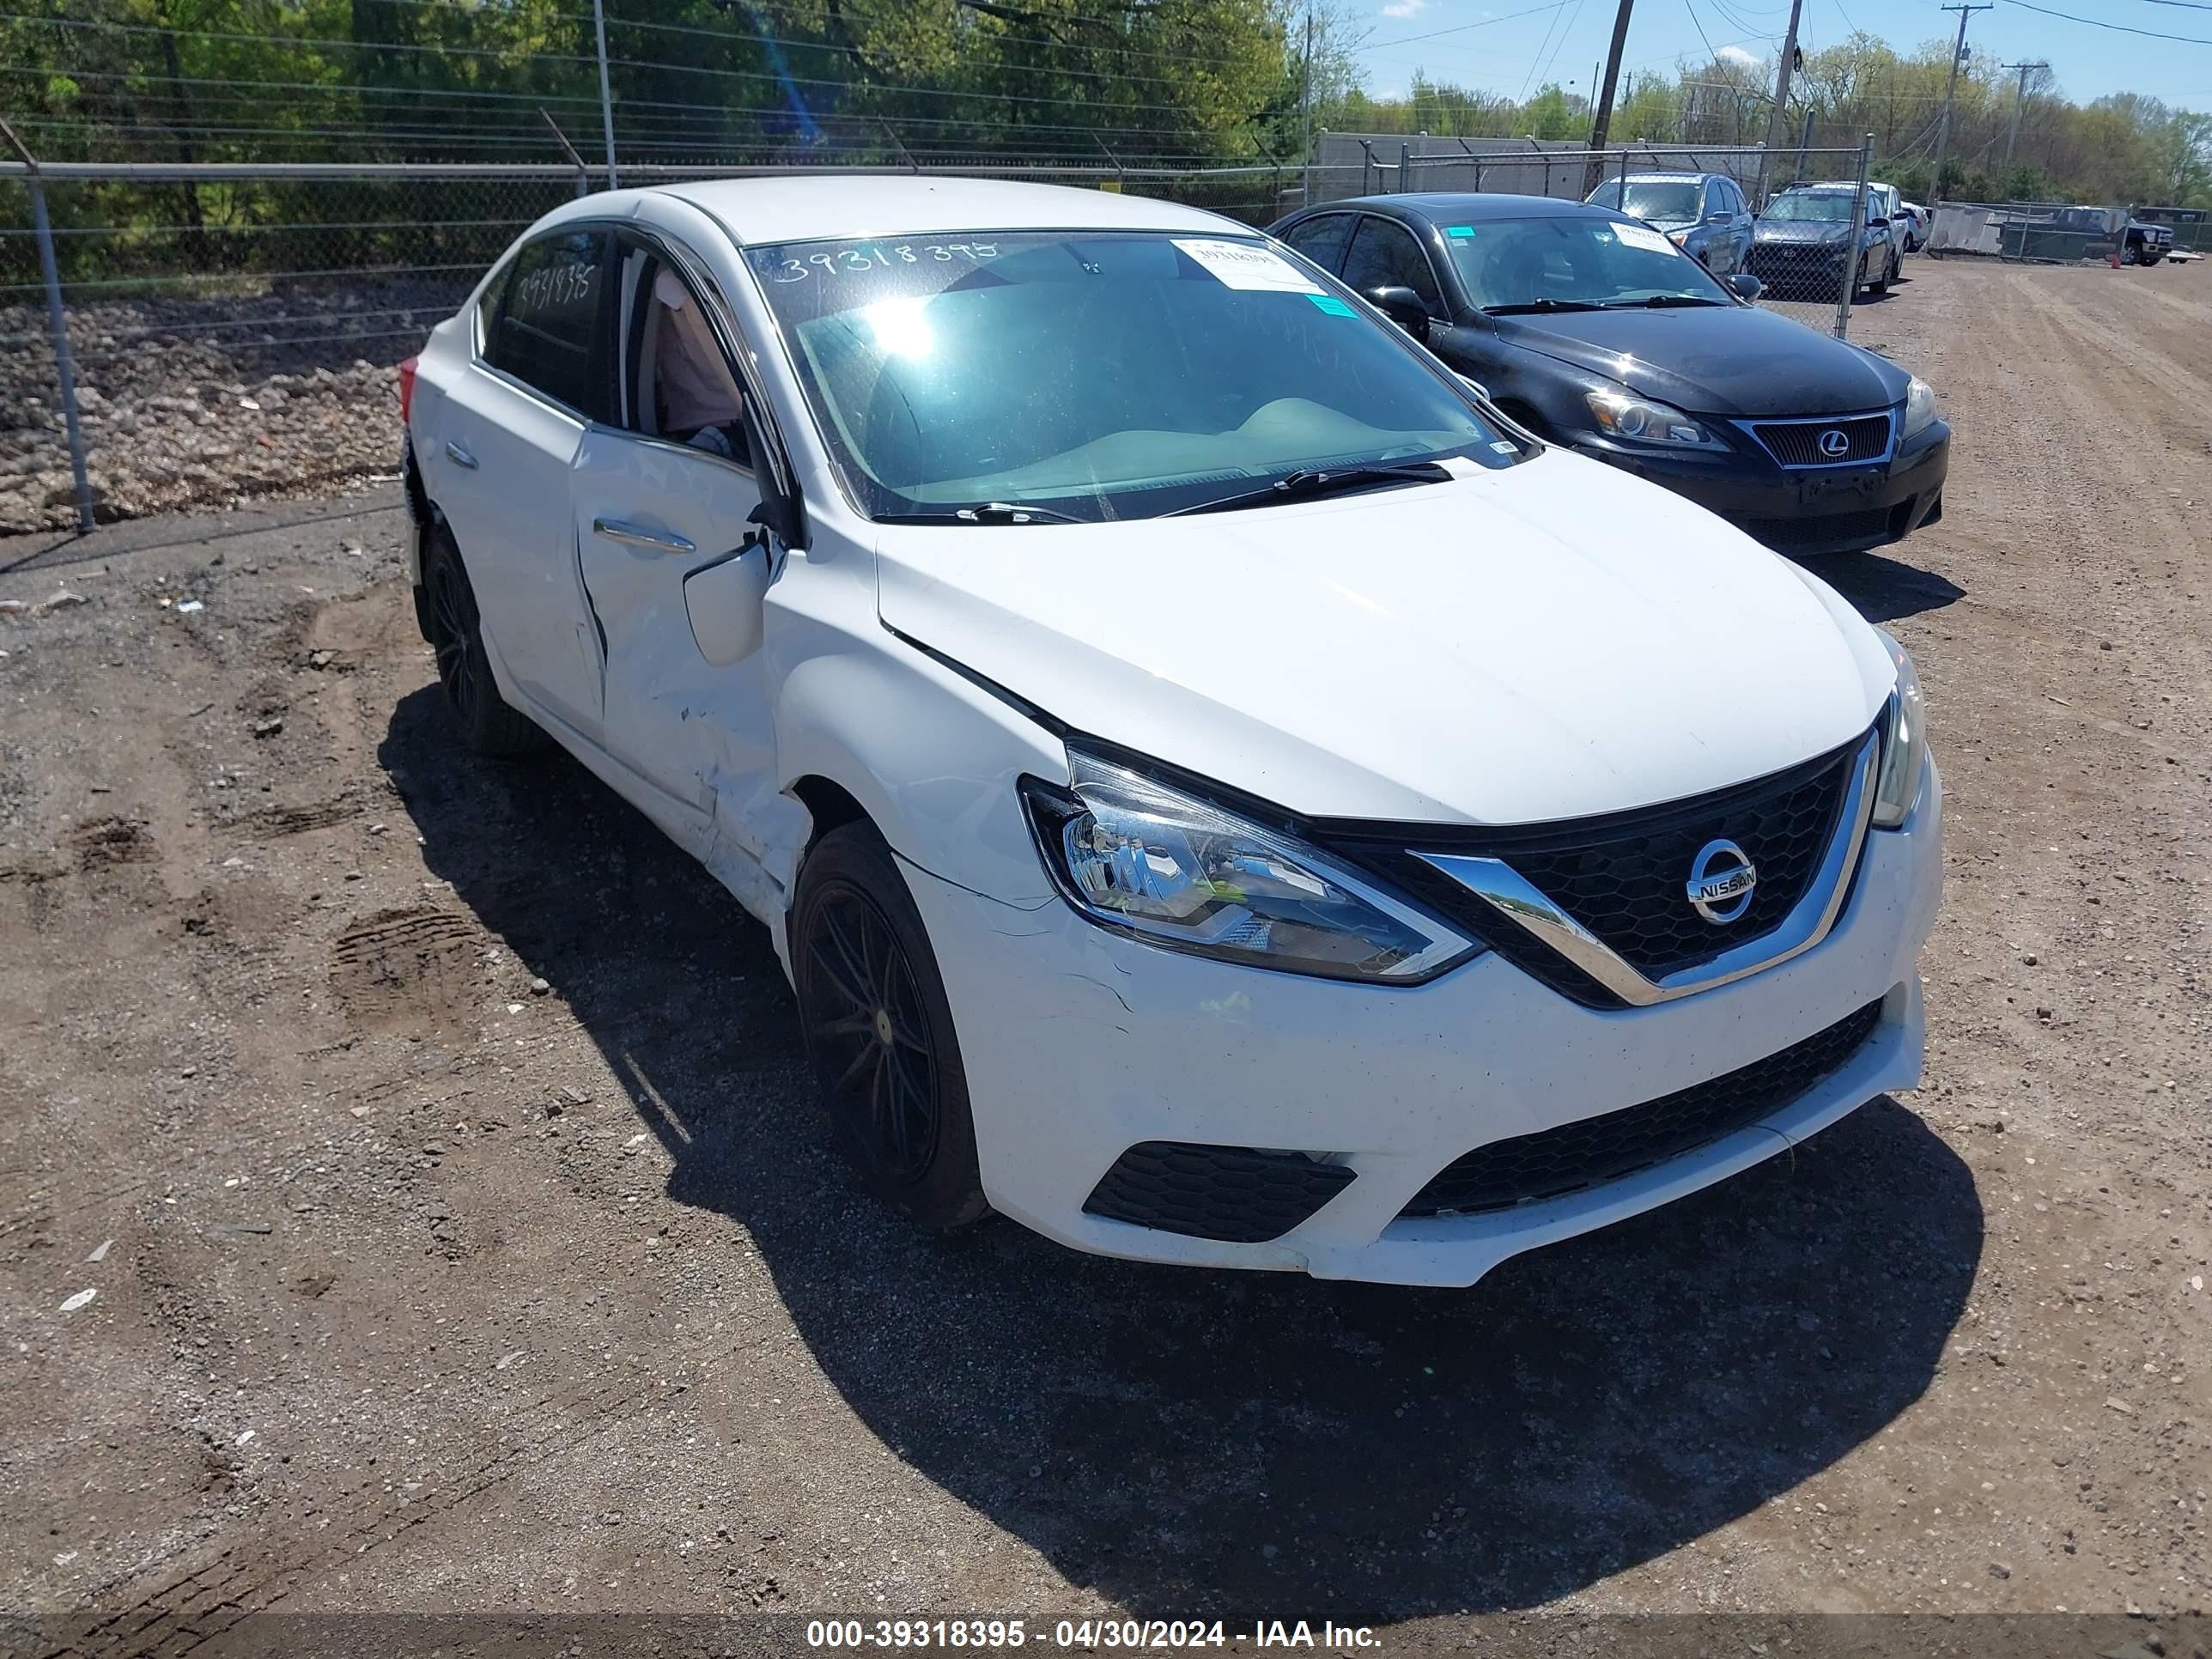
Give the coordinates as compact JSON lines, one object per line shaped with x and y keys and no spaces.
{"x":1331,"y":304}
{"x":1644,"y":237}
{"x":1459,"y":230}
{"x":1240,"y":264}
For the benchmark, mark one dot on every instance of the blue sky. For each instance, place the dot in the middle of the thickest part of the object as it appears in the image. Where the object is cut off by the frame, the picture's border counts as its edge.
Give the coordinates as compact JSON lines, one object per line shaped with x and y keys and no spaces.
{"x":1524,"y":43}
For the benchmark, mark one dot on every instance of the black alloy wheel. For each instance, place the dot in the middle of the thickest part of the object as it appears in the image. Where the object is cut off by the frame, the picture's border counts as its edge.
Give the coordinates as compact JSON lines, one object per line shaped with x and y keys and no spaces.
{"x":453,"y":626}
{"x":869,"y":1034}
{"x":487,"y":724}
{"x":880,"y":1031}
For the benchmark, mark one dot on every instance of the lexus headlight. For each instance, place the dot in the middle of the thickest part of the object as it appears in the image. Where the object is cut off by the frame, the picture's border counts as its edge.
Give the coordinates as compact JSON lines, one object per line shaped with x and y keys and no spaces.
{"x":1641,"y":421}
{"x":1133,"y":854}
{"x":1919,"y":405}
{"x":1904,"y":742}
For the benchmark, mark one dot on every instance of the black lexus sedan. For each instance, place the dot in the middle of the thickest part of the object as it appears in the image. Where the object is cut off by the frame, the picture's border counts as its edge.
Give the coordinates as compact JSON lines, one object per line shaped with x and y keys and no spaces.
{"x":1597,"y":333}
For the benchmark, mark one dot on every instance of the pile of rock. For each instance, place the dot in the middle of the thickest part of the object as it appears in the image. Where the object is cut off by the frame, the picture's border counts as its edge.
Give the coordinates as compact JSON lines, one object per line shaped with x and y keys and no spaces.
{"x":206,"y":402}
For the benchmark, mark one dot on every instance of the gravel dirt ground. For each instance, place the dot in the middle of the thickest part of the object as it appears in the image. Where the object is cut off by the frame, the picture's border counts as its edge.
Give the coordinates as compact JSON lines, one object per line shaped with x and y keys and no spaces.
{"x":411,"y":1196}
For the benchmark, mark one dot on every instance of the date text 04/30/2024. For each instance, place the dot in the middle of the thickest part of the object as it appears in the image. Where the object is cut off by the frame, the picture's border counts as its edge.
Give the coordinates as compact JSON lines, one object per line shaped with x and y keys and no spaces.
{"x":1088,"y":1635}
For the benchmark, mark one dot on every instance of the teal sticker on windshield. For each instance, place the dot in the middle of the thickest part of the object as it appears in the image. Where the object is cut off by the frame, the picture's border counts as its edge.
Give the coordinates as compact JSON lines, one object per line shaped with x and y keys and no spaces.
{"x":1459,"y":230}
{"x":1331,"y":304}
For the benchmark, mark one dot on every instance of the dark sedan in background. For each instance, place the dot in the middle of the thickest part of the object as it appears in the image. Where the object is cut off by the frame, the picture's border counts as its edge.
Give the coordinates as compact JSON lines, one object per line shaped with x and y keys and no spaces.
{"x":1595,"y":331}
{"x":1810,"y":235}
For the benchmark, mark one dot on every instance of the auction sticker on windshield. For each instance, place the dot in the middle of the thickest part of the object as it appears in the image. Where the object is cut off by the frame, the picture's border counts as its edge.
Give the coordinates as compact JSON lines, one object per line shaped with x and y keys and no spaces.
{"x":1240,"y":264}
{"x":1644,"y":237}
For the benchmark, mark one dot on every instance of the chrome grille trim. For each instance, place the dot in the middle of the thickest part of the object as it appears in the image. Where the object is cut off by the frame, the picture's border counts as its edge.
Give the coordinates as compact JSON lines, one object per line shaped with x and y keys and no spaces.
{"x":1514,"y":899}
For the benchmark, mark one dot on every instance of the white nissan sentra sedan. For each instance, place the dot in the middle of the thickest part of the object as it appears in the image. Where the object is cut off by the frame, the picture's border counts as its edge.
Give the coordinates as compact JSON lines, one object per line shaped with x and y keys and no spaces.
{"x":1222,"y":794}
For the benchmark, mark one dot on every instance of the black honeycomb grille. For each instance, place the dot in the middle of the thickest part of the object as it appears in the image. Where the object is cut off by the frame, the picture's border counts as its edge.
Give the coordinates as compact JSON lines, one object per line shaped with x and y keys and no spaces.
{"x":1629,"y":888}
{"x":1553,"y":1163}
{"x":1235,"y":1193}
{"x":1866,"y":438}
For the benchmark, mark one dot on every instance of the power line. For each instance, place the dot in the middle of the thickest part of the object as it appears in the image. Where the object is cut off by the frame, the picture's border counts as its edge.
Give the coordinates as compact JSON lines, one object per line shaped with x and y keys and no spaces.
{"x":2122,"y":28}
{"x":1462,"y":28}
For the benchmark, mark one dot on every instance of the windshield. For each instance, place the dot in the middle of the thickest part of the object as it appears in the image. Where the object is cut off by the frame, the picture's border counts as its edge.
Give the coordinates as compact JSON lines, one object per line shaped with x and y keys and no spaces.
{"x":1538,"y":262}
{"x":1104,"y":374}
{"x":1666,"y":200}
{"x":1823,"y":206}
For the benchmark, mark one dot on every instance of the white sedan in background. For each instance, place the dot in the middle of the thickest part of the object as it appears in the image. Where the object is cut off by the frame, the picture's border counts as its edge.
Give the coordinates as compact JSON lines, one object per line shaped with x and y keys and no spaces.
{"x":1222,"y":794}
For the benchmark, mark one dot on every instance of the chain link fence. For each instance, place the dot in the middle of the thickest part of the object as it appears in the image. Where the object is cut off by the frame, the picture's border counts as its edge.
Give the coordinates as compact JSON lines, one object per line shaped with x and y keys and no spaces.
{"x":1733,"y":208}
{"x":231,"y":329}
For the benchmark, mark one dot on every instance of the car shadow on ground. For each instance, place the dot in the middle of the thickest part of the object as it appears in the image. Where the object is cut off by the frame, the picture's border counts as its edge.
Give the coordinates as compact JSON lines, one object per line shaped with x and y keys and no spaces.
{"x":1191,"y":1442}
{"x":1882,"y":588}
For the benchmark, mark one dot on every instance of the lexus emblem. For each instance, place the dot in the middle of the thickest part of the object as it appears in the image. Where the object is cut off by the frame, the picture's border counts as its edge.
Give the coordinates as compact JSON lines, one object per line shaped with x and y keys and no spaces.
{"x":1835,"y":443}
{"x":1720,"y":881}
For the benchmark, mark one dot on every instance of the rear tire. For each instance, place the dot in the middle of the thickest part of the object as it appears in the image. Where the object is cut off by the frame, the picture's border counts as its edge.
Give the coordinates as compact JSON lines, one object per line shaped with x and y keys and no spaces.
{"x":879,"y":1032}
{"x":486,"y":723}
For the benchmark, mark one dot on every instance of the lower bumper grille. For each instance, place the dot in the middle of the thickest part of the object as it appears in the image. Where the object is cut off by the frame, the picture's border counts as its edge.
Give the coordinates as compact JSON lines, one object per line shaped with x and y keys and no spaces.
{"x":1826,"y":530}
{"x":1238,"y":1195}
{"x":1553,"y":1163}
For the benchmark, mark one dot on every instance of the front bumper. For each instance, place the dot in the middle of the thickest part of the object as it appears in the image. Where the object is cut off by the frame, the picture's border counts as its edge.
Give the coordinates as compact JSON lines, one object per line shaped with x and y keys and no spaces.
{"x":1808,"y":509}
{"x":1799,"y":270}
{"x":1079,"y":1044}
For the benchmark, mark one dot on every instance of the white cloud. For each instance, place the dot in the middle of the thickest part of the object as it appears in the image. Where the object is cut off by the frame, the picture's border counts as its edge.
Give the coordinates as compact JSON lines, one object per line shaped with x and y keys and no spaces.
{"x":1737,"y":55}
{"x":1405,"y":9}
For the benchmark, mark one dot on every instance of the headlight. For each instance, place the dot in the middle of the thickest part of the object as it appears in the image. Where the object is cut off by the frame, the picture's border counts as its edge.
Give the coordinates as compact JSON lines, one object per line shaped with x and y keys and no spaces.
{"x":1678,"y":237}
{"x":1638,"y":420}
{"x":1919,"y":406}
{"x":1904,"y":742}
{"x":1135,"y":855}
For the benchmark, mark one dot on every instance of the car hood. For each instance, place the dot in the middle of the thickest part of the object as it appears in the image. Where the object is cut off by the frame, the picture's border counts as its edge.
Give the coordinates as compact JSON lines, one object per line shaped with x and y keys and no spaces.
{"x":1732,"y":360}
{"x":1549,"y":640}
{"x":1800,"y":231}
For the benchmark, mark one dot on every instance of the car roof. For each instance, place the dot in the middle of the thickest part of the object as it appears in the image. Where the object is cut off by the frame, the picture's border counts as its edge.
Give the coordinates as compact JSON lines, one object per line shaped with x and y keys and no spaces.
{"x":1465,"y":207}
{"x":756,"y":212}
{"x":1661,"y":177}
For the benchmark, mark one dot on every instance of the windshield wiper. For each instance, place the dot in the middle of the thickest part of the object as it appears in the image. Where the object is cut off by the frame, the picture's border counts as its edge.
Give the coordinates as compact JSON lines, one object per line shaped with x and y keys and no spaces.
{"x":1542,"y":305}
{"x":1309,"y":483}
{"x":986,"y":512}
{"x":1657,"y":301}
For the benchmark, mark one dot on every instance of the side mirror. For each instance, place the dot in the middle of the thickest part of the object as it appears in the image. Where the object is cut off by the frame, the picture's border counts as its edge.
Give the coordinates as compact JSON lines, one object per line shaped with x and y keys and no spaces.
{"x":1402,"y":306}
{"x":1716,"y":218}
{"x":724,"y":602}
{"x":1476,"y":387}
{"x":1746,"y":286}
{"x":779,"y":516}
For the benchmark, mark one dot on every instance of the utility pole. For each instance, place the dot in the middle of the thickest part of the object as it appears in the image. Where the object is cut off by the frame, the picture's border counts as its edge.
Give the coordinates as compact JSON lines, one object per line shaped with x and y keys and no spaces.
{"x":2012,"y":134}
{"x":1305,"y":120}
{"x":1601,"y":124}
{"x":1950,"y":92}
{"x":1776,"y":116}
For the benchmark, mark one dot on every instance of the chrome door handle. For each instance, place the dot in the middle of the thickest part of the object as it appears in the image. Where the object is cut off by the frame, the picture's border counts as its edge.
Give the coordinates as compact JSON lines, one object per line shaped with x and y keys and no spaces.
{"x":459,"y":456}
{"x":653,"y":541}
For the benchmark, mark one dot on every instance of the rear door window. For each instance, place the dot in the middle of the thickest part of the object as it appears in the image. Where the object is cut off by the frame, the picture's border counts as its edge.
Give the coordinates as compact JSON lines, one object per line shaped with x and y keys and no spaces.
{"x":549,"y":325}
{"x":1322,"y":240}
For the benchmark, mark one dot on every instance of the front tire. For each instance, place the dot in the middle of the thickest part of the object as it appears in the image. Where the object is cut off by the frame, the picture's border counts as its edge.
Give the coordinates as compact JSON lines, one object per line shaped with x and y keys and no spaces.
{"x":879,"y":1032}
{"x":455,"y":627}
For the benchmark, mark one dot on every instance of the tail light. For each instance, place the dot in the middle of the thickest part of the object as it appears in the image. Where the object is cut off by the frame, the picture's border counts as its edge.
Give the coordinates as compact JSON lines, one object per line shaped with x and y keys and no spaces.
{"x":407,"y":387}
